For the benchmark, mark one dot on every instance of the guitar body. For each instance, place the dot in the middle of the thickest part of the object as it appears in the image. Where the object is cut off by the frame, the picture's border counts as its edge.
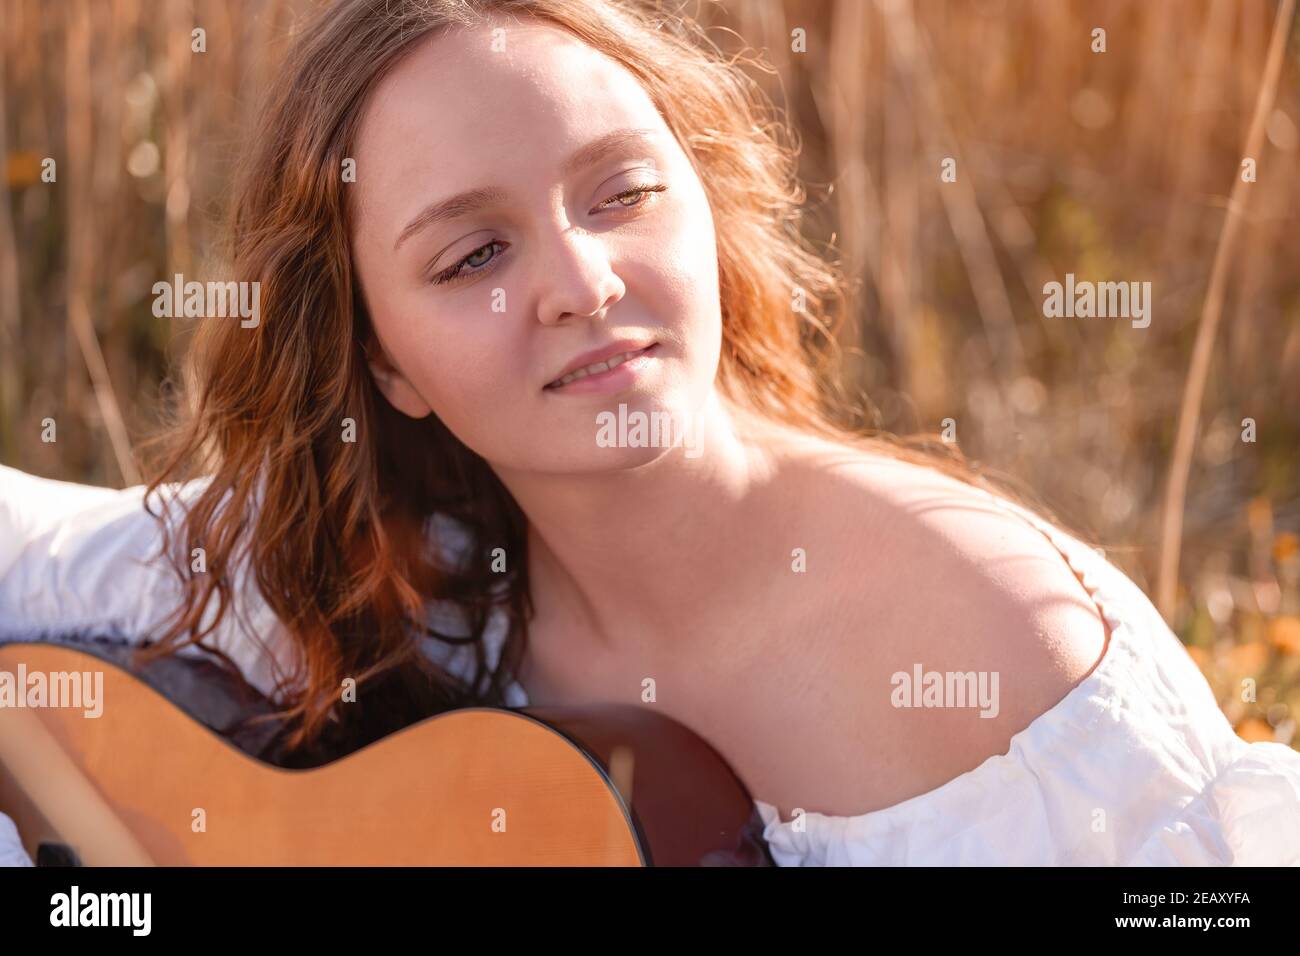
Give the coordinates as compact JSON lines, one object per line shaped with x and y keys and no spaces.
{"x":145,"y":783}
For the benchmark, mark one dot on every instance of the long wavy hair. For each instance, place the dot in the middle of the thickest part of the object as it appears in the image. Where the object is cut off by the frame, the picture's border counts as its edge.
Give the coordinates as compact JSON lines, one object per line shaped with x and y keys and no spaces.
{"x":338,"y":535}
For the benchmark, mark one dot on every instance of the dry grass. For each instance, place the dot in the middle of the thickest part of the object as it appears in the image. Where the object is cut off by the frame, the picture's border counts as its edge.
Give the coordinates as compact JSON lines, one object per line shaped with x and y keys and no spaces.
{"x":1115,"y":166}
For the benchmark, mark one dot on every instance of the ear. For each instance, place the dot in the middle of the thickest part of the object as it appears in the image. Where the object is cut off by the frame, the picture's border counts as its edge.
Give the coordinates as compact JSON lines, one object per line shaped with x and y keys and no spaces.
{"x":395,"y":386}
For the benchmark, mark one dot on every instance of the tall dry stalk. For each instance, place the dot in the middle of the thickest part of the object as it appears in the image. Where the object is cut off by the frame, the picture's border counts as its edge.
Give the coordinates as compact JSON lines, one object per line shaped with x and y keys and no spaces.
{"x":1189,"y":414}
{"x":81,"y":262}
{"x":10,"y":300}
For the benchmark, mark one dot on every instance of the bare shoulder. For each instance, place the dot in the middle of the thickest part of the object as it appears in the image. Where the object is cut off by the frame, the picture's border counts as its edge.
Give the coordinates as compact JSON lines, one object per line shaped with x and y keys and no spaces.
{"x":957,"y":623}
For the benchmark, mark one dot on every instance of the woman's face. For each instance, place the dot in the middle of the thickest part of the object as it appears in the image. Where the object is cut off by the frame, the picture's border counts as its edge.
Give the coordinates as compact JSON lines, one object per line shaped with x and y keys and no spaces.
{"x":576,"y":223}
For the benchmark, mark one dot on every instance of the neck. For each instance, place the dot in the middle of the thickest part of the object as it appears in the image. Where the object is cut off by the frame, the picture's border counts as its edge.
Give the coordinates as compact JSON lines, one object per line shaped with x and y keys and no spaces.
{"x":641,"y":554}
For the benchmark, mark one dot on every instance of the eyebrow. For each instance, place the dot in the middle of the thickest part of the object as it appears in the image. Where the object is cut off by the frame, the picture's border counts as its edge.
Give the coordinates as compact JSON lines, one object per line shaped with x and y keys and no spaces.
{"x":471,"y":200}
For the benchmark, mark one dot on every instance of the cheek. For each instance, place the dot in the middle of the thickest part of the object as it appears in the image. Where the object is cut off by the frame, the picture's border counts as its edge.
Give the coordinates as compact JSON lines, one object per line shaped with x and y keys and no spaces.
{"x":472,"y":384}
{"x":695,"y":256}
{"x":461,"y":365}
{"x":687,"y":265}
{"x":689,"y":259}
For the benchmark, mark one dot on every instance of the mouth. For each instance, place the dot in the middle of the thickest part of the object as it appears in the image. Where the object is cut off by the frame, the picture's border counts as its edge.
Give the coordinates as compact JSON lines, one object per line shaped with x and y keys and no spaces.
{"x":624,"y":365}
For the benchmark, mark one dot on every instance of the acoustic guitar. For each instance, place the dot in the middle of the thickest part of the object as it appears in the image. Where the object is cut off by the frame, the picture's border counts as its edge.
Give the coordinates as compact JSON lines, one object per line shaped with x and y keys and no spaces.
{"x":144,"y":783}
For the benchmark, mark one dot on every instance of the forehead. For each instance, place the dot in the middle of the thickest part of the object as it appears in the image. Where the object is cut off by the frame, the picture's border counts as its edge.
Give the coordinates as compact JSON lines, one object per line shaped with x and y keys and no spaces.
{"x":468,"y":102}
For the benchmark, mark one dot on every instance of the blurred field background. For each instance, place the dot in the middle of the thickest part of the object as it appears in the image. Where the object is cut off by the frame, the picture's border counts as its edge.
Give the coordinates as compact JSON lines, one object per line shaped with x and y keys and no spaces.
{"x":1115,"y":166}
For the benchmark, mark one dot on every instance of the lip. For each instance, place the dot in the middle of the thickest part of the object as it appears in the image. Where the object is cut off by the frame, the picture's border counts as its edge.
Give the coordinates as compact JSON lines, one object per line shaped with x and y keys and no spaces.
{"x":613,"y":380}
{"x":599,"y":355}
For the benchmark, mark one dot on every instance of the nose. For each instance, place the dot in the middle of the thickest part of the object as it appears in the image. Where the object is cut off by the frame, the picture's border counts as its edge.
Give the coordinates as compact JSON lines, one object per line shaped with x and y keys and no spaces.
{"x":577,"y":278}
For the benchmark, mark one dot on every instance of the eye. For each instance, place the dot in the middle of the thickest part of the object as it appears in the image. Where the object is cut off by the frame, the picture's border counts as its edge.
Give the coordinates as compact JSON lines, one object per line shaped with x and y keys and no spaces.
{"x":477,"y":261}
{"x":639,"y":193}
{"x":485,"y":256}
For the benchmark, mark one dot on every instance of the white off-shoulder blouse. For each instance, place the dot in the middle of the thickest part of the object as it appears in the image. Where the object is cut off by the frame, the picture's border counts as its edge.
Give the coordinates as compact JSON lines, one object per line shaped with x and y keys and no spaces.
{"x":1135,"y":766}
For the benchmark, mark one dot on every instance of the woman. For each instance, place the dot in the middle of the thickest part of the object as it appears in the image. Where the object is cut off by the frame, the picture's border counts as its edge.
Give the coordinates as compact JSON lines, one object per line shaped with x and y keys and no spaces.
{"x":493,"y":239}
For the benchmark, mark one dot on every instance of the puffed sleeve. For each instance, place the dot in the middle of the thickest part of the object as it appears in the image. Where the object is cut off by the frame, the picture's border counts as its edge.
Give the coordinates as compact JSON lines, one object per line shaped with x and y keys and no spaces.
{"x":77,"y":560}
{"x":11,"y":848}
